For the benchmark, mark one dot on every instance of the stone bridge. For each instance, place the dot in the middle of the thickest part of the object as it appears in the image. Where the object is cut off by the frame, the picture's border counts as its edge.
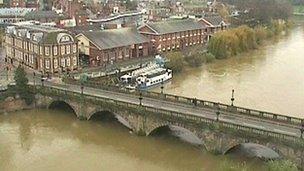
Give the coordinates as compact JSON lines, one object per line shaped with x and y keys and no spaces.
{"x":216,"y":136}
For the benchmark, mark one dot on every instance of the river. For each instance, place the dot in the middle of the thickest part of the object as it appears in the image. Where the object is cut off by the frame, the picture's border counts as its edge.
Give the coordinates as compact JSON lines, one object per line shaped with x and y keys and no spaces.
{"x":50,"y":140}
{"x":271,"y":78}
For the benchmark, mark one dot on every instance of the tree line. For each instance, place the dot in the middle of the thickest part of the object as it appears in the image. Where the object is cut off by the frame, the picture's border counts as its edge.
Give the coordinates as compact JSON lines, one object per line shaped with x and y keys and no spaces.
{"x":241,"y":39}
{"x":261,"y":12}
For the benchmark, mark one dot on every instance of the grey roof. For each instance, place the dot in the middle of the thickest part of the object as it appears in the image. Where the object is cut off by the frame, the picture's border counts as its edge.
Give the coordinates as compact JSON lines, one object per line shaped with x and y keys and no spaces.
{"x":107,"y":39}
{"x":14,"y":12}
{"x":172,"y":26}
{"x":214,"y":20}
{"x":42,"y":15}
{"x":44,"y":34}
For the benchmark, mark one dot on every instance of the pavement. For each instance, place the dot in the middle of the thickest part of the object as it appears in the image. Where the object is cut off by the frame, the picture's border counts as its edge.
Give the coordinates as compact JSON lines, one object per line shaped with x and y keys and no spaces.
{"x":244,"y":120}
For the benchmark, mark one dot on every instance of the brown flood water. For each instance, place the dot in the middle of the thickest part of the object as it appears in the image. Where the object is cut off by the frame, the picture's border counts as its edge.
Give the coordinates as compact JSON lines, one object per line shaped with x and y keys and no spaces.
{"x":270,"y":79}
{"x":48,"y":140}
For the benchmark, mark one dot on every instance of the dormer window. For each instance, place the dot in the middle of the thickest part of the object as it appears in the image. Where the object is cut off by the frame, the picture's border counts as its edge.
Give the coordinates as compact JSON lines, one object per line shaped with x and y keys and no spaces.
{"x":28,"y":35}
{"x":65,"y":39}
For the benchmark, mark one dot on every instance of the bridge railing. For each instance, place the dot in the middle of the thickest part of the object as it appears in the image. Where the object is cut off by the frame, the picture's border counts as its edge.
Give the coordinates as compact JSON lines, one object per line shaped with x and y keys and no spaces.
{"x":51,"y":91}
{"x":205,"y":104}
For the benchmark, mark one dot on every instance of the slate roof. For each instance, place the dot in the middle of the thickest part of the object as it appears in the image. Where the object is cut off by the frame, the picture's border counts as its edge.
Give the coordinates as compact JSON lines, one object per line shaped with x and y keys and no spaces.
{"x":44,"y":34}
{"x":113,"y":38}
{"x":14,"y":12}
{"x":214,"y":20}
{"x":34,"y":15}
{"x":172,"y":26}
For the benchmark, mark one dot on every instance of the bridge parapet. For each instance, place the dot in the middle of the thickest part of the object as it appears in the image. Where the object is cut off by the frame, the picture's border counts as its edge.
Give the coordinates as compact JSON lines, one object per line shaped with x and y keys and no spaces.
{"x":207,"y":104}
{"x":217,"y":135}
{"x":169,"y":115}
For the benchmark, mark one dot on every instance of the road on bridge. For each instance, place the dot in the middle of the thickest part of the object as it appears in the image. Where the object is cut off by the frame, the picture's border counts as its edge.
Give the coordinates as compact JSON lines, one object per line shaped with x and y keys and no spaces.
{"x":230,"y":117}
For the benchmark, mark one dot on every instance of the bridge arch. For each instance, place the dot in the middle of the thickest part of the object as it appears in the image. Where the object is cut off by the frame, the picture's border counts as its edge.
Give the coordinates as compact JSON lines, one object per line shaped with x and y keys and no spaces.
{"x":57,"y":103}
{"x":256,"y":150}
{"x":180,"y":131}
{"x":120,"y":117}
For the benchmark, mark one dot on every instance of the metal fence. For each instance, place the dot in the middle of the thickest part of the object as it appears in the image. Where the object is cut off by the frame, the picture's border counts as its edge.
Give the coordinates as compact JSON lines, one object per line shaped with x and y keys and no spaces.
{"x":203,"y":103}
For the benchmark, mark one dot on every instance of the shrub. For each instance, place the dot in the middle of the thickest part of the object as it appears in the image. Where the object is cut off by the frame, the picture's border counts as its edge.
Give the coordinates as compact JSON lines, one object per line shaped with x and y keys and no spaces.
{"x":176,"y":61}
{"x":260,"y":33}
{"x":209,"y":57}
{"x":195,"y":60}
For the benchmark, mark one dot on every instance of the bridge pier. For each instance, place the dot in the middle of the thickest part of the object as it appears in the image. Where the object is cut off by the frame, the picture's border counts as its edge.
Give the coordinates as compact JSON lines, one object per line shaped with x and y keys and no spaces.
{"x":216,"y":136}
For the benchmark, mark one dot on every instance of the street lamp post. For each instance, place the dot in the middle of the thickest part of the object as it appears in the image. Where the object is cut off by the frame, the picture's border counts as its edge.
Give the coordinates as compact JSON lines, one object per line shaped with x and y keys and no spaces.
{"x":194,"y":101}
{"x":232,"y":97}
{"x":42,"y":81}
{"x":302,"y":129}
{"x":82,"y":87}
{"x":162,"y":87}
{"x":218,"y":112}
{"x":65,"y":82}
{"x":140,"y":98}
{"x":34,"y":75}
{"x":7,"y":72}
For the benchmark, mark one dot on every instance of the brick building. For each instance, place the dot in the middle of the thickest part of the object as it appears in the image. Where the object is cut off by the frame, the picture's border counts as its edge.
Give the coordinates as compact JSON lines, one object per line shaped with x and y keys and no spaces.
{"x":18,"y":3}
{"x":73,"y":9}
{"x":214,"y":23}
{"x":44,"y":16}
{"x":174,"y":34}
{"x":13,"y":15}
{"x":108,"y":46}
{"x":45,"y":49}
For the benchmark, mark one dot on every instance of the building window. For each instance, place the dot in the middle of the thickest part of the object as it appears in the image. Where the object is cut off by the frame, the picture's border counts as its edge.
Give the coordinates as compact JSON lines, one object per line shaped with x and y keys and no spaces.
{"x":35,"y":48}
{"x":68,"y":62}
{"x":41,"y":63}
{"x":74,"y":48}
{"x":32,"y":59}
{"x":55,"y":63}
{"x":25,"y":45}
{"x":41,"y":50}
{"x":31,"y":47}
{"x":62,"y":50}
{"x":47,"y":64}
{"x":68,"y":49}
{"x":47,"y":51}
{"x":65,"y":39}
{"x":62,"y":62}
{"x":75,"y":61}
{"x":55,"y":50}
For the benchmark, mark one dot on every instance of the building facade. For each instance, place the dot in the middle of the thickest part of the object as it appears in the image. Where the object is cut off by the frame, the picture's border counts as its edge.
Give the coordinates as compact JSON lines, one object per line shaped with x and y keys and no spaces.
{"x":114,"y":45}
{"x":174,"y":34}
{"x":44,"y":49}
{"x":13,"y":15}
{"x":214,"y":24}
{"x":17,"y":3}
